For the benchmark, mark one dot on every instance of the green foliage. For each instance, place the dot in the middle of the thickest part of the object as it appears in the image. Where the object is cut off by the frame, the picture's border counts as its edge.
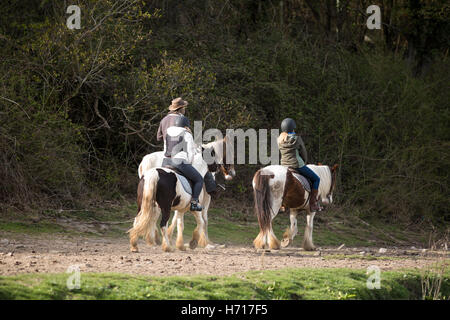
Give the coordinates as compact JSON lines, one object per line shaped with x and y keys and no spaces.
{"x":80,"y":108}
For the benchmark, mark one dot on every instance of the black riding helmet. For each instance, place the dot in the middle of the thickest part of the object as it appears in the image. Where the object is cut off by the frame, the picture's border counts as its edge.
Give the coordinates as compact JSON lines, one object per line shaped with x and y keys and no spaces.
{"x":182,"y":121}
{"x":288,"y":125}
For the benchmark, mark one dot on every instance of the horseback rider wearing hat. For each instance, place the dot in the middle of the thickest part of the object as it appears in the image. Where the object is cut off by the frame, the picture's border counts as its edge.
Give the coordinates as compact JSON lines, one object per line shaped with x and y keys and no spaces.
{"x":290,"y":145}
{"x":179,"y":153}
{"x":176,"y":110}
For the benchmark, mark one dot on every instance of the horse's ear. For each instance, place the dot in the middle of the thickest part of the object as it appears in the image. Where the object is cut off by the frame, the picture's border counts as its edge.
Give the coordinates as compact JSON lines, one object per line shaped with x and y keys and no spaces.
{"x":334,"y":167}
{"x":319,"y":163}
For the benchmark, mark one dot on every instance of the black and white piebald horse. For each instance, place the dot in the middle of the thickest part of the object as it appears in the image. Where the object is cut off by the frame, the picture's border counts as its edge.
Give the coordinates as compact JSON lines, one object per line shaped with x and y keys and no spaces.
{"x":161,"y":190}
{"x":275,"y":186}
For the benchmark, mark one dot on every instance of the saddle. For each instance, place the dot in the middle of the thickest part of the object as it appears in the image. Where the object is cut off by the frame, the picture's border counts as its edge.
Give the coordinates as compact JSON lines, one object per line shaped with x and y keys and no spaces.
{"x":306,"y":183}
{"x":185,"y":182}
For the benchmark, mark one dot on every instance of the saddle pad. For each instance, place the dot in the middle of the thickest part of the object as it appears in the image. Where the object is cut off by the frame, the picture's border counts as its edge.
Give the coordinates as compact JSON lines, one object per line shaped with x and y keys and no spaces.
{"x":185,"y":183}
{"x":303,"y":181}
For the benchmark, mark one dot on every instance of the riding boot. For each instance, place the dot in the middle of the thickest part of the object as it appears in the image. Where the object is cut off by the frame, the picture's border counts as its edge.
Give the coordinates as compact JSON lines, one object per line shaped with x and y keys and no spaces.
{"x":195,"y":206}
{"x":313,"y":203}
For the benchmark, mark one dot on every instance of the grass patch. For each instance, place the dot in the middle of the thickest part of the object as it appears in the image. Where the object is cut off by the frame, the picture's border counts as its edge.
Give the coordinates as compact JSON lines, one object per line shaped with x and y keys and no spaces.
{"x":33,"y":228}
{"x":225,"y":226}
{"x":332,"y":284}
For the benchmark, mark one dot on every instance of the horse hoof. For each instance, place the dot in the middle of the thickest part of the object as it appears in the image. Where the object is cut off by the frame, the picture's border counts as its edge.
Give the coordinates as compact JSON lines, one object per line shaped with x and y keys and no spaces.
{"x":193,"y":244}
{"x":286,"y":242}
{"x":181,"y":248}
{"x":134,"y":249}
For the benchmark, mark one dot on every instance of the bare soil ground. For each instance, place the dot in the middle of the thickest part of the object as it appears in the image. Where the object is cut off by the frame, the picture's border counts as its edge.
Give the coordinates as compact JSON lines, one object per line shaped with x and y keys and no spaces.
{"x":55,"y":253}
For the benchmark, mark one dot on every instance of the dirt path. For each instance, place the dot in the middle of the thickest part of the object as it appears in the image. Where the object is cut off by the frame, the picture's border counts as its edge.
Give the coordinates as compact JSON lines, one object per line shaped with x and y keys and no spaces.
{"x":50,"y":254}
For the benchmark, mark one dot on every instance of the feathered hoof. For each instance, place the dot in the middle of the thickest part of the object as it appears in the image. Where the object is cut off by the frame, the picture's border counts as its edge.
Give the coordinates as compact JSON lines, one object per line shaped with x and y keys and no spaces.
{"x":181,"y":247}
{"x":193,"y":244}
{"x":286,"y":242}
{"x":259,"y":242}
{"x":157,"y":239}
{"x":309,"y":247}
{"x":202,"y":243}
{"x":167,"y":248}
{"x":274,"y":243}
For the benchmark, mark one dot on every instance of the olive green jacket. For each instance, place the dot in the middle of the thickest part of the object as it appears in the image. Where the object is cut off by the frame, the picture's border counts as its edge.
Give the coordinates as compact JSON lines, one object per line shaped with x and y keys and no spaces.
{"x":289,"y":149}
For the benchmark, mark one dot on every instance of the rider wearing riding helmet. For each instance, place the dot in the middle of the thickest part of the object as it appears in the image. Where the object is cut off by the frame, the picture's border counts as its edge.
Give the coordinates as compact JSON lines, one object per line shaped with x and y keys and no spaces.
{"x":180,"y":150}
{"x":290,"y":144}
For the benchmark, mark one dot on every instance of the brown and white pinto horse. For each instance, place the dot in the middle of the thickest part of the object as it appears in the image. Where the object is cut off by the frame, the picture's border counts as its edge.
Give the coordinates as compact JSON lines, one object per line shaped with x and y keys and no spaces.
{"x":275,"y":186}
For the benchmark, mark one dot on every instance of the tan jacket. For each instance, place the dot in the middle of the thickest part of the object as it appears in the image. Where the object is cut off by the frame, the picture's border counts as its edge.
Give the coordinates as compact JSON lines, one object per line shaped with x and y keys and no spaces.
{"x":290,"y":145}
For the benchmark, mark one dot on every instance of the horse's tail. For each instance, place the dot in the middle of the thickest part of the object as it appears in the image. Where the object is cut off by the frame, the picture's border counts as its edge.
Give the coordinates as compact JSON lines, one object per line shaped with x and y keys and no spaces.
{"x":145,"y":221}
{"x":261,"y":194}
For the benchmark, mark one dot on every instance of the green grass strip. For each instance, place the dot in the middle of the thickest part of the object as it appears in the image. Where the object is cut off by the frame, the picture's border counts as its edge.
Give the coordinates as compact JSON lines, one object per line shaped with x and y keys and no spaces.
{"x":309,"y":283}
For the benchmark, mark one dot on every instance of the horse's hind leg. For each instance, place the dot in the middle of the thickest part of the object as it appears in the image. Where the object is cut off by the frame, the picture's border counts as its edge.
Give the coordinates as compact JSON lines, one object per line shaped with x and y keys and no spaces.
{"x":267,"y":239}
{"x":274,"y":243}
{"x":172,"y":224}
{"x":180,"y":226}
{"x":289,"y":234}
{"x":308,"y":240}
{"x":152,"y":236}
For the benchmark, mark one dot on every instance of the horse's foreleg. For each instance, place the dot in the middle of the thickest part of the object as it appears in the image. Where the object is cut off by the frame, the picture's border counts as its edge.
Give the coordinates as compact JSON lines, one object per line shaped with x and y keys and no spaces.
{"x":166,"y":243}
{"x":205,"y":220}
{"x":308,"y":240}
{"x":289,"y":234}
{"x":198,"y":236}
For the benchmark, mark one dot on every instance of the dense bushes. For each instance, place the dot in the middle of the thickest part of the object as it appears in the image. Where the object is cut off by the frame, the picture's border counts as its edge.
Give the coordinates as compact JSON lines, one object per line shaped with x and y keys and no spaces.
{"x":79,"y":109}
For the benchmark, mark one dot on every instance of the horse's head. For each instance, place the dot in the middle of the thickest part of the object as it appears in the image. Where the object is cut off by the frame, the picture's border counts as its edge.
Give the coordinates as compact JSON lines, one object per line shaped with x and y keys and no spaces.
{"x":218,"y":150}
{"x":328,"y":183}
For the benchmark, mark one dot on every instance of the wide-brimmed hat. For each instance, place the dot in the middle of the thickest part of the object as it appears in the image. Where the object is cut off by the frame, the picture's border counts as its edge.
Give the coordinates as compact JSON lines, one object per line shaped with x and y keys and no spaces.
{"x":177,"y":103}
